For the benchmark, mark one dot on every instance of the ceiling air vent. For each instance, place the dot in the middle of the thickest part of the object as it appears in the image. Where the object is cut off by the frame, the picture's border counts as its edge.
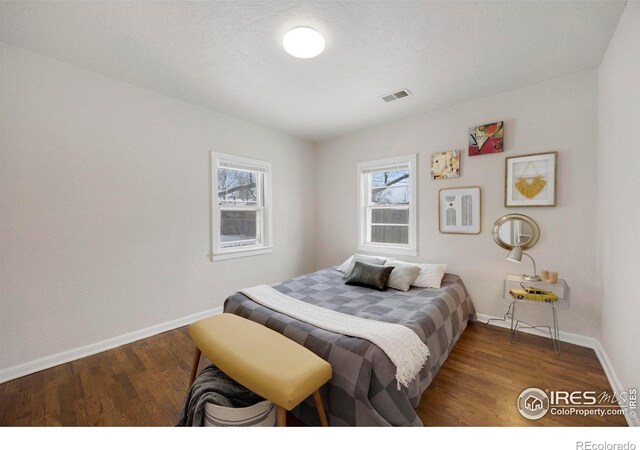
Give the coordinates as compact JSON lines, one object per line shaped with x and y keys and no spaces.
{"x":396,"y":95}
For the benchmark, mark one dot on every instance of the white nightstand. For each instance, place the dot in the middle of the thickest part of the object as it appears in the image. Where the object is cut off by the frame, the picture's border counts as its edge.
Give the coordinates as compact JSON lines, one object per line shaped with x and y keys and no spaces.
{"x":561,"y":289}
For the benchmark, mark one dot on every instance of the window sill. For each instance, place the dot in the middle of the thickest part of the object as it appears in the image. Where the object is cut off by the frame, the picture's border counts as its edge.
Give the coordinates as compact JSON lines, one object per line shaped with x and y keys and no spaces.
{"x":232,"y":254}
{"x":388,"y":250}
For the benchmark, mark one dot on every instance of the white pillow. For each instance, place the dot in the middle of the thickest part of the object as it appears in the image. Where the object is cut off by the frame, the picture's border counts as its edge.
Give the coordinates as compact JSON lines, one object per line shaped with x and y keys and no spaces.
{"x":344,"y":267}
{"x":402,"y":276}
{"x":367,"y":259}
{"x":430,"y":275}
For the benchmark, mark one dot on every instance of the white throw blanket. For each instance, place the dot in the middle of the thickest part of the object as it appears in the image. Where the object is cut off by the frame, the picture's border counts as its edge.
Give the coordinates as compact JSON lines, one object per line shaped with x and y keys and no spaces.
{"x":403,"y":347}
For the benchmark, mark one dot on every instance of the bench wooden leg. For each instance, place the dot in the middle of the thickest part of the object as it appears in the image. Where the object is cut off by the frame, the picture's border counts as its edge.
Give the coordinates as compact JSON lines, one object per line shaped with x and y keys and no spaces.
{"x":194,"y":367}
{"x":318,"y":400}
{"x":281,"y":416}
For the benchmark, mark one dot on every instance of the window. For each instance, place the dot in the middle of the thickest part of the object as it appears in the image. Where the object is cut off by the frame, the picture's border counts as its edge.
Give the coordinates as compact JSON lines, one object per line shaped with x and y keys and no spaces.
{"x":241,"y":209}
{"x":387,"y":206}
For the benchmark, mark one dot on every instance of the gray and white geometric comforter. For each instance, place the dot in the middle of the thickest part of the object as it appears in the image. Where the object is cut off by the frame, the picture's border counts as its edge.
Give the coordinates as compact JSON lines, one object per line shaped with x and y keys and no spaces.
{"x":363,"y":390}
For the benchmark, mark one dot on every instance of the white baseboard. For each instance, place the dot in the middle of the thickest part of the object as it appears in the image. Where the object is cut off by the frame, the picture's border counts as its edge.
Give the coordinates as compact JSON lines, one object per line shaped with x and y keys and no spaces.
{"x":570,"y":338}
{"x":91,"y":349}
{"x":583,"y":341}
{"x":614,"y":381}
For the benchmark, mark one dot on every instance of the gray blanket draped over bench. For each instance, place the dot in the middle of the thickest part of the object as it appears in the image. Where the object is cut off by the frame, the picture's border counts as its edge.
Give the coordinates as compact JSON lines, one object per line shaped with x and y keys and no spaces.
{"x":363,"y":390}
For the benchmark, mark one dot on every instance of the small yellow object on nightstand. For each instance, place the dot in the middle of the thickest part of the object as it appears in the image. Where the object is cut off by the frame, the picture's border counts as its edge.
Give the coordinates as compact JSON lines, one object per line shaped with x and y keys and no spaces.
{"x":536,"y":294}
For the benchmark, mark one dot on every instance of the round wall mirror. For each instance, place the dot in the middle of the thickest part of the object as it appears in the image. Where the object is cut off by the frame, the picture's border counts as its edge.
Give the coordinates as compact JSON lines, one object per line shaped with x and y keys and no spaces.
{"x":516,"y":230}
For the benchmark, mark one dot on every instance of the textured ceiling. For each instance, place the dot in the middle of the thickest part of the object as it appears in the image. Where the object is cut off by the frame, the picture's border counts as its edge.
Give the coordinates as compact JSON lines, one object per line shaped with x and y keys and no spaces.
{"x":228,"y":56}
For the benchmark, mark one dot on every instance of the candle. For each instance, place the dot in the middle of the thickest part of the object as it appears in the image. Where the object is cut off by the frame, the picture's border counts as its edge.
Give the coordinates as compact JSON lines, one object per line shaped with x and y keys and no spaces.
{"x":544,"y":275}
{"x":553,"y":277}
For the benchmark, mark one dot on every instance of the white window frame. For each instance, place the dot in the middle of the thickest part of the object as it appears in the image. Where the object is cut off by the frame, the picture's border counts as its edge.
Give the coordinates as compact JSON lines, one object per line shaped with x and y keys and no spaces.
{"x":216,"y":251}
{"x":364,"y":244}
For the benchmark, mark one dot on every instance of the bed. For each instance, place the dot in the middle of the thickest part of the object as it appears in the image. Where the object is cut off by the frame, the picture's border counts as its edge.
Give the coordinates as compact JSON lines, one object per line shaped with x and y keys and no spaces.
{"x":364,"y":390}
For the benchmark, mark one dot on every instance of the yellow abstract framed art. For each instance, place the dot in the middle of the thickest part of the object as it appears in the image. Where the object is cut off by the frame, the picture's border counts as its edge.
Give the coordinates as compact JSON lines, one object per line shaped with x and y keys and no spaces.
{"x":531,"y":180}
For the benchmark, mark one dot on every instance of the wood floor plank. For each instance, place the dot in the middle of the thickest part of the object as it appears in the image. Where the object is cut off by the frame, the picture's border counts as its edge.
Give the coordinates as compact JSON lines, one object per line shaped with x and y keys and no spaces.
{"x":144,"y":384}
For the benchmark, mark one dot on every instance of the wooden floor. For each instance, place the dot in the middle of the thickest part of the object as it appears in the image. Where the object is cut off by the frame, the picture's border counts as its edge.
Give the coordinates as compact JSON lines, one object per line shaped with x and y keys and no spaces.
{"x":144,"y":383}
{"x":481,"y":380}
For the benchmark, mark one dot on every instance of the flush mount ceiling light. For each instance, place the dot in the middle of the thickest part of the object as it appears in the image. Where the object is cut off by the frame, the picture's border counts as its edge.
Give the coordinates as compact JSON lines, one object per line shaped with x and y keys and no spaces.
{"x":303,"y":42}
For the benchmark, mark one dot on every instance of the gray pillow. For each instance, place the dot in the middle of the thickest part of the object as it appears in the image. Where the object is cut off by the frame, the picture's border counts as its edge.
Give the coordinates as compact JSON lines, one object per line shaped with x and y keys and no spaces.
{"x":402,"y":276}
{"x":369,"y":275}
{"x":363,"y":259}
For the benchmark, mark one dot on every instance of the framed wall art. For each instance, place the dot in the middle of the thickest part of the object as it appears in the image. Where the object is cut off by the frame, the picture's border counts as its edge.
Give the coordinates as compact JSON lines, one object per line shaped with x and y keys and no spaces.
{"x":486,"y":139}
{"x":531,"y":180}
{"x":445,"y":165}
{"x":460,"y":210}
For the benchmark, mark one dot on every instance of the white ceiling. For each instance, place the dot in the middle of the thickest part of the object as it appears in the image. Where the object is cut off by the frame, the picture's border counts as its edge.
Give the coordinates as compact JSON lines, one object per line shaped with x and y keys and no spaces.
{"x":228,"y":56}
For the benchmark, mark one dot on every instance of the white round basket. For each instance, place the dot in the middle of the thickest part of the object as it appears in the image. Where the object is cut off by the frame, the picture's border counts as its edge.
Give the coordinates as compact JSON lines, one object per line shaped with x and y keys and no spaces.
{"x":261,"y":414}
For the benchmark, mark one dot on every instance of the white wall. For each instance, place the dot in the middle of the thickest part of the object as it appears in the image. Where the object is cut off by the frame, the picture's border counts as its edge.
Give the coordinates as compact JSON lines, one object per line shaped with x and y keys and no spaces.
{"x":104,"y":207}
{"x":556,"y":115}
{"x":619,"y":197}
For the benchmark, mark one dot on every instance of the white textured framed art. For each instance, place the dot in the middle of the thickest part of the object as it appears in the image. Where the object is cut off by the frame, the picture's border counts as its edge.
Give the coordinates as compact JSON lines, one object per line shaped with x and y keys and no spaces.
{"x":531,"y":180}
{"x":460,"y":210}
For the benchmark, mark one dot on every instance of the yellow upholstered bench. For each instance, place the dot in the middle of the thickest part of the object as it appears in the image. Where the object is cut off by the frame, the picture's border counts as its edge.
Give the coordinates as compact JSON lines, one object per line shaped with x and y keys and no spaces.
{"x":262,"y":360}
